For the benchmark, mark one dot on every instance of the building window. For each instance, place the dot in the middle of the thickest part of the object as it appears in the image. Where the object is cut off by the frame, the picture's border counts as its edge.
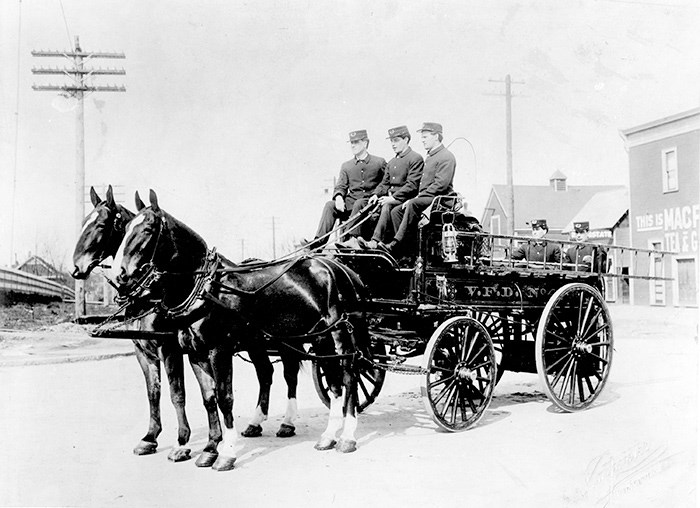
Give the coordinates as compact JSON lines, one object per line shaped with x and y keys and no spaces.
{"x":669,"y":167}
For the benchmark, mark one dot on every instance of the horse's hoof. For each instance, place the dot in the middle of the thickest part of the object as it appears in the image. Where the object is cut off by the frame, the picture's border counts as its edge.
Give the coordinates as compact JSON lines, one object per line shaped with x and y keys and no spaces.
{"x":206,"y":459}
{"x":179,"y":454}
{"x":286,"y":430}
{"x":346,"y":446}
{"x":325,"y":444}
{"x":145,"y":448}
{"x":224,"y":463}
{"x":252,"y":431}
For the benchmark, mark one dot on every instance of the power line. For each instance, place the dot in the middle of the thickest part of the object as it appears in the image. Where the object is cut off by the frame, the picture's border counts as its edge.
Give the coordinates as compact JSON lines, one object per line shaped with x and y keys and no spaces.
{"x":65,"y":22}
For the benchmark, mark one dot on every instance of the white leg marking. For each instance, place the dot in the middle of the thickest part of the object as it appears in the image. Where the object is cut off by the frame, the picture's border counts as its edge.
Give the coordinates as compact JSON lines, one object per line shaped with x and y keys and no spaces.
{"x":229,"y":445}
{"x":258,"y":417}
{"x":349,"y":428}
{"x":335,"y":418}
{"x":291,"y":413}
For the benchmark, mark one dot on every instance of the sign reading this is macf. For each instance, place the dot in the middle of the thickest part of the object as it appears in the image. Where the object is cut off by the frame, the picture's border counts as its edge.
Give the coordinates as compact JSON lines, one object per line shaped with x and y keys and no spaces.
{"x":679,"y":225}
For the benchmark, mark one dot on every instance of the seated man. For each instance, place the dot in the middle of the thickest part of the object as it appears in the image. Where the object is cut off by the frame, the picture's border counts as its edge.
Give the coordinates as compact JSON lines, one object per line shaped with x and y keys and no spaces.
{"x":585,"y":258}
{"x":438,"y":175}
{"x":538,"y":249}
{"x":401,"y":180}
{"x":356,"y":182}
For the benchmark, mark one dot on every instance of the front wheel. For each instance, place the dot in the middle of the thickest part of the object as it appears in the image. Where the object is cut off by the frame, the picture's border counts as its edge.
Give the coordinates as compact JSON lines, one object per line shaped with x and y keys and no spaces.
{"x":460,"y":373}
{"x":574,"y":346}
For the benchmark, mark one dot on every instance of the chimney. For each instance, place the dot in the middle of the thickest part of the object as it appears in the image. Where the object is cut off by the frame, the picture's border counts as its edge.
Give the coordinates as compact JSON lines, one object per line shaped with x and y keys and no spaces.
{"x":558,"y":181}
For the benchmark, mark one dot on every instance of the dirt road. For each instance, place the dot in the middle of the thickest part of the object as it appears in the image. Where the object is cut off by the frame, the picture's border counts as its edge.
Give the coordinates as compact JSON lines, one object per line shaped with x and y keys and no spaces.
{"x":67,"y":431}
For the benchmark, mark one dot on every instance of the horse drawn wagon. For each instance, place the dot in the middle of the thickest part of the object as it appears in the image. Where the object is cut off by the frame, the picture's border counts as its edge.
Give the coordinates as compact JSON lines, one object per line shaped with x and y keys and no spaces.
{"x":473,"y":312}
{"x":461,"y":303}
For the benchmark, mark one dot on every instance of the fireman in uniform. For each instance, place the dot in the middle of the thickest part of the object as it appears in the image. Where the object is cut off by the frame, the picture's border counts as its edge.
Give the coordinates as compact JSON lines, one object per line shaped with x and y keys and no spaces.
{"x":357,"y":181}
{"x":400,"y":183}
{"x":437,"y":179}
{"x":538,"y":249}
{"x":584,"y":257}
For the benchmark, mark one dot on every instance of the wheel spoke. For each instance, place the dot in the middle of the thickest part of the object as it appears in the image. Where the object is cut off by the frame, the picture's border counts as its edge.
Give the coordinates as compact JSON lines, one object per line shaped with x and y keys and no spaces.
{"x":363,"y":387}
{"x":557,"y":362}
{"x":572,"y":394}
{"x":448,"y":401}
{"x":481,"y":365}
{"x":471,"y":359}
{"x":472,"y":406}
{"x":562,"y":339}
{"x":597,"y":357}
{"x":591,"y":321}
{"x":566,"y":380}
{"x":441,"y":381}
{"x":561,"y":371}
{"x":550,"y":349}
{"x":580,"y":309}
{"x":597,"y":331}
{"x":471,"y":345}
{"x":448,"y":389}
{"x":588,"y":311}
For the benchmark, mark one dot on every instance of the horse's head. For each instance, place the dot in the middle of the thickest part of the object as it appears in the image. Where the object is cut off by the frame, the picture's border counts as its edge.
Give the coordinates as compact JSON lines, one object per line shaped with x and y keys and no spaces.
{"x":155,"y":243}
{"x":103,"y":230}
{"x":140,"y":247}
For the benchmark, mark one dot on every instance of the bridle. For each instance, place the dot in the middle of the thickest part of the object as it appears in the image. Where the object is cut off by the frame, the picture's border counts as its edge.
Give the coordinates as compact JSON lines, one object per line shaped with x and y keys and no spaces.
{"x":149,"y":273}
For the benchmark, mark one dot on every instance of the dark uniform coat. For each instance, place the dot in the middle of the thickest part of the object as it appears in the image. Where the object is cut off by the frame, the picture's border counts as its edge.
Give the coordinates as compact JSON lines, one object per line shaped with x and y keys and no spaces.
{"x":402,"y":176}
{"x":438,"y":173}
{"x":359,"y":179}
{"x":538,"y":251}
{"x":583,"y":255}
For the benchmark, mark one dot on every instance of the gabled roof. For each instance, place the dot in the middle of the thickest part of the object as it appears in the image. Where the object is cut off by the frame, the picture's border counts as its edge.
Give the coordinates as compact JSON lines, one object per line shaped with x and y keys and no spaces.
{"x":558,"y":175}
{"x":543,"y":202}
{"x":603,"y":211}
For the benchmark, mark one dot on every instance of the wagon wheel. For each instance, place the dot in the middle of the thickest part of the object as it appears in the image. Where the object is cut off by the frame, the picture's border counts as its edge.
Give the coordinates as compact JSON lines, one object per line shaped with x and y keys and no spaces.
{"x":369,"y":383}
{"x":496,"y":328}
{"x":574,"y":346}
{"x":460,"y":367}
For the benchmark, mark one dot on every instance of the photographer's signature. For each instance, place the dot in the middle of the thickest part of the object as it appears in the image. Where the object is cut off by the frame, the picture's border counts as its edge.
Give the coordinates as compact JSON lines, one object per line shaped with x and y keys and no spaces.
{"x":610,"y":475}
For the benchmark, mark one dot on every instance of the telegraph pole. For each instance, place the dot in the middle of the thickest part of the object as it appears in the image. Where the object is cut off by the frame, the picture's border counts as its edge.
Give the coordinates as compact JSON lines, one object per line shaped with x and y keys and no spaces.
{"x":510,"y":201}
{"x":80,"y":83}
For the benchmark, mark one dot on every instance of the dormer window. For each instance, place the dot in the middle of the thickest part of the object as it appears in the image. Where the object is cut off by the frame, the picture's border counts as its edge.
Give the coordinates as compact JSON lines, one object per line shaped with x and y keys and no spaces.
{"x":558,"y":181}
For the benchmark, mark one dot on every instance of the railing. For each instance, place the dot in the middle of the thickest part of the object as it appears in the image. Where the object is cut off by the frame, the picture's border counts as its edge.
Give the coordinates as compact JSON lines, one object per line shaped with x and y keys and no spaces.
{"x":496,"y":251}
{"x":27,"y":284}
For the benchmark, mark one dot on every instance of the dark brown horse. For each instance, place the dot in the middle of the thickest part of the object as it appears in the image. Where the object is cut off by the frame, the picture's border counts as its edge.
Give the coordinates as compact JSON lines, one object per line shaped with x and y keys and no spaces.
{"x":102,"y":233}
{"x":281,"y":305}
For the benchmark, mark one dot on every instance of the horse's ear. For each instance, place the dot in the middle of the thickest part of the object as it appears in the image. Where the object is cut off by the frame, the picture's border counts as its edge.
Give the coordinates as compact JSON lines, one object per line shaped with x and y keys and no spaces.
{"x":110,"y":197}
{"x":154,"y":200}
{"x":94,"y":197}
{"x":140,"y":205}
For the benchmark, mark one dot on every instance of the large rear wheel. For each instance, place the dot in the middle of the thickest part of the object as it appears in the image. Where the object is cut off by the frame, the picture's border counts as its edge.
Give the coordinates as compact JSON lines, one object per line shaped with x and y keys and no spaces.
{"x":574,"y":346}
{"x":460,"y":373}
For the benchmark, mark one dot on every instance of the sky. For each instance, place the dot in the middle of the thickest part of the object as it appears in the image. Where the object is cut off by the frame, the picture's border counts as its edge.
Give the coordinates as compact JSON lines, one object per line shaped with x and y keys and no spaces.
{"x":238,"y":112}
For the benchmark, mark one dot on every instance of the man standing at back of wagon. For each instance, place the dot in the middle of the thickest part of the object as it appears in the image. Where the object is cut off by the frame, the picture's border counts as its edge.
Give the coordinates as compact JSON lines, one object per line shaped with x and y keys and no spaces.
{"x":356,"y":182}
{"x":438,"y":174}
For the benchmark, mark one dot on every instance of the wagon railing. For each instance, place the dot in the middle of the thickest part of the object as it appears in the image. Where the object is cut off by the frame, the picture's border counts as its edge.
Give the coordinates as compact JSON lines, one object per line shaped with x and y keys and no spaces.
{"x":496,"y":251}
